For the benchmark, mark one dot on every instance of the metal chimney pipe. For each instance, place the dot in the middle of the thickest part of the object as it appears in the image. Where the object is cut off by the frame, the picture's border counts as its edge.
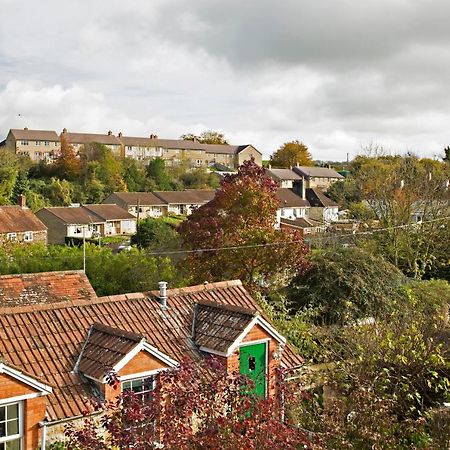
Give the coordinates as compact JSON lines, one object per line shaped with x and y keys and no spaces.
{"x":163,"y":293}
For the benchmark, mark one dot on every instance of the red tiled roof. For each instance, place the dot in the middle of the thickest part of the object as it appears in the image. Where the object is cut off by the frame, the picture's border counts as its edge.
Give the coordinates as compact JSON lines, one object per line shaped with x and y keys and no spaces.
{"x":44,"y":287}
{"x":14,"y":219}
{"x":47,"y":339}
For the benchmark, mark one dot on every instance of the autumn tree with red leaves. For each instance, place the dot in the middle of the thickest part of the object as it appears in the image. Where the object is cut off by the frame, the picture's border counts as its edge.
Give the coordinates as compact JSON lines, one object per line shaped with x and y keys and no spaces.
{"x":67,"y":164}
{"x":237,"y":233}
{"x":194,"y":406}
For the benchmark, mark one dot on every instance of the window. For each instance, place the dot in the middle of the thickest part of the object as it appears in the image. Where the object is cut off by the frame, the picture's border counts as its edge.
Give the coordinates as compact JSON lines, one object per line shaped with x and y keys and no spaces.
{"x":38,"y":143}
{"x":24,"y":143}
{"x":11,"y":426}
{"x":140,"y":386}
{"x":56,"y":144}
{"x":11,"y":237}
{"x":46,"y":143}
{"x":28,"y":236}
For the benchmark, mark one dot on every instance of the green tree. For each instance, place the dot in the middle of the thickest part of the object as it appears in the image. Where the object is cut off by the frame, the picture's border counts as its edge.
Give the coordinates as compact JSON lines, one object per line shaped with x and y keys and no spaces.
{"x":242,"y":214}
{"x":446,"y":157}
{"x":294,"y":153}
{"x":133,"y":174}
{"x":9,"y":170}
{"x":155,"y":234}
{"x":156,"y":172}
{"x":343,"y":285}
{"x":207,"y":137}
{"x":21,"y":187}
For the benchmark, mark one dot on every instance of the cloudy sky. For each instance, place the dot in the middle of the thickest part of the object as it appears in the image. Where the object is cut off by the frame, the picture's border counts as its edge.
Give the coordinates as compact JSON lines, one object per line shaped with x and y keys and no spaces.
{"x":336,"y":74}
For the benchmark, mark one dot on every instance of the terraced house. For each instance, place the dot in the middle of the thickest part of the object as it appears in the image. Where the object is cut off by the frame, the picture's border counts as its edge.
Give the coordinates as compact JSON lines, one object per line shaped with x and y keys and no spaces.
{"x":37,"y":144}
{"x":59,"y":340}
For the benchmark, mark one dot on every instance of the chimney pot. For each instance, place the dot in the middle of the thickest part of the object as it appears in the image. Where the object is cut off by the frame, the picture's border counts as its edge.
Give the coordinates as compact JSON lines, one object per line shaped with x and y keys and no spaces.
{"x":22,"y":201}
{"x":120,"y":134}
{"x":25,"y":128}
{"x":109,"y":133}
{"x":163,"y":293}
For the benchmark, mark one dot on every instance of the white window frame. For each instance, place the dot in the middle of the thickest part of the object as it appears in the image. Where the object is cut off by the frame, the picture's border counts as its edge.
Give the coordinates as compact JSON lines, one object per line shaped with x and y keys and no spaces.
{"x":37,"y":143}
{"x":152,"y":376}
{"x":28,"y":236}
{"x":18,"y":436}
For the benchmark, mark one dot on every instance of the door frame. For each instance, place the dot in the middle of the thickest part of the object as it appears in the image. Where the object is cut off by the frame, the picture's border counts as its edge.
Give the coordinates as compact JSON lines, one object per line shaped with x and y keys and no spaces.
{"x":265,"y":341}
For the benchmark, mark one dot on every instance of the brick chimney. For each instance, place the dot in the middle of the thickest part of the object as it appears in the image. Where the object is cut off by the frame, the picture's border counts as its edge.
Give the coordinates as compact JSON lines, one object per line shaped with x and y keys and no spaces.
{"x":64,"y":130}
{"x":25,"y":128}
{"x":22,"y":201}
{"x":120,"y":134}
{"x":109,"y":133}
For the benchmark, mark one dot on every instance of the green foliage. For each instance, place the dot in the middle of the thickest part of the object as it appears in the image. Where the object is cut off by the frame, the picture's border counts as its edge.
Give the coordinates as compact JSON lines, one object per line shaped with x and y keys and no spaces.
{"x":109,"y":273}
{"x":343,"y":285}
{"x":156,"y":172}
{"x":133,"y":174}
{"x":9,"y":170}
{"x":67,"y":165}
{"x":199,"y":178}
{"x":294,"y":153}
{"x":21,"y":187}
{"x":207,"y":137}
{"x":156,"y":234}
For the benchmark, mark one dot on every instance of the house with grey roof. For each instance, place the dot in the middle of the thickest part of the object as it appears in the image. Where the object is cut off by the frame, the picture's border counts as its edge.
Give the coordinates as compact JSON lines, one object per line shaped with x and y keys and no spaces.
{"x":80,"y":140}
{"x":140,"y":204}
{"x":318,"y":177}
{"x":86,"y":221}
{"x":37,"y":144}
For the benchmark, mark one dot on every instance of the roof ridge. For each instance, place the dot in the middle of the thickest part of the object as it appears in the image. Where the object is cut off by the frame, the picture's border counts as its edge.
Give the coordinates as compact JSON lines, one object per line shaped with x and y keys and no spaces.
{"x":118,"y":332}
{"x":54,"y":272}
{"x":227,"y":307}
{"x":200,"y":287}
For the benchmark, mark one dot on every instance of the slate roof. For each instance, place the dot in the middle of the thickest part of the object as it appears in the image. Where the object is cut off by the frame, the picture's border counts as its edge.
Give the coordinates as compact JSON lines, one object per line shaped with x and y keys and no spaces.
{"x":45,"y":287}
{"x":104,"y":348}
{"x":186,"y":197}
{"x":283,"y":174}
{"x":313,"y":171}
{"x":15,"y":219}
{"x":317,"y":198}
{"x":216,"y":327}
{"x":47,"y":339}
{"x":35,"y":135}
{"x":88,"y":138}
{"x":126,"y":199}
{"x":86,"y":214}
{"x":289,"y":199}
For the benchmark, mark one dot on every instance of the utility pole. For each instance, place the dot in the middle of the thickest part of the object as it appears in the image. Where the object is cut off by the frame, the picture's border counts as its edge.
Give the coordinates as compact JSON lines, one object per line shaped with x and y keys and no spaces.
{"x":84,"y":248}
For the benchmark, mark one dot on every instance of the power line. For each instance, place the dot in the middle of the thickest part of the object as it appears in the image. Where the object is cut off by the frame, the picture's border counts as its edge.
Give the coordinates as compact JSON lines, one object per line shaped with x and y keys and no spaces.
{"x":275,"y":244}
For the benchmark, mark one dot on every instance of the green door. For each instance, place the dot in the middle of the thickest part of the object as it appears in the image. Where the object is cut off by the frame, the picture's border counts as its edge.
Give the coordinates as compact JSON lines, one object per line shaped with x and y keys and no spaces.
{"x":252,"y":363}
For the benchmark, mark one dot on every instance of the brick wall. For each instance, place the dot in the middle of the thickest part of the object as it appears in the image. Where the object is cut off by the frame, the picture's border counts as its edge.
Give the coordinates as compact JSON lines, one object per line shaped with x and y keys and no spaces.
{"x":34,"y":409}
{"x":255,"y":334}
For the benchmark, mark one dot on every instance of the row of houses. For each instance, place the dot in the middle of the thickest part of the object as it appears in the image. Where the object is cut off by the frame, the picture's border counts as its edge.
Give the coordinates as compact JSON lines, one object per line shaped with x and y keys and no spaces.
{"x":59,"y":342}
{"x":120,"y":212}
{"x":45,"y":145}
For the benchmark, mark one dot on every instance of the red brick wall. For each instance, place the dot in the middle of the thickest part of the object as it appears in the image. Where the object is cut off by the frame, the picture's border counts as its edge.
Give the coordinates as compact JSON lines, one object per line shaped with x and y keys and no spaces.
{"x":255,"y":334}
{"x":34,"y":409}
{"x":142,"y":362}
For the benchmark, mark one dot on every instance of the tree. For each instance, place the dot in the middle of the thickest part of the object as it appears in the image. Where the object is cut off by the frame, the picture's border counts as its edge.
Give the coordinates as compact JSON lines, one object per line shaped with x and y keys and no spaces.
{"x":156,"y":234}
{"x":9,"y":169}
{"x":195,"y":406}
{"x":207,"y":137}
{"x":133,"y":174}
{"x":21,"y":187}
{"x":294,"y":153}
{"x":446,"y":157}
{"x":344,"y":285}
{"x":67,"y":164}
{"x":156,"y":171}
{"x":242,"y":216}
